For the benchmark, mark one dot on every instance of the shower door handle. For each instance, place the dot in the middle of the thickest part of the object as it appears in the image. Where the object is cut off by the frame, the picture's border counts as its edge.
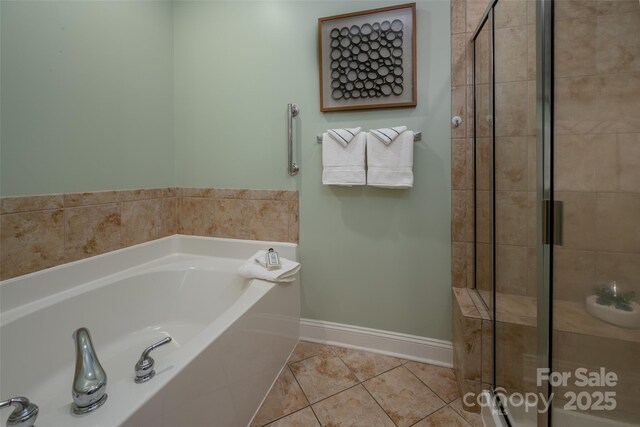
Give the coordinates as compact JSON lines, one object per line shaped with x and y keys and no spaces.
{"x":292,"y":111}
{"x":552,"y":222}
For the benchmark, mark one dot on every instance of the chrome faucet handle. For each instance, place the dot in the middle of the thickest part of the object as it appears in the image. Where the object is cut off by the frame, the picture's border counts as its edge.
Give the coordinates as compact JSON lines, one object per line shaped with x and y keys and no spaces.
{"x":24,"y":414}
{"x":144,"y":366}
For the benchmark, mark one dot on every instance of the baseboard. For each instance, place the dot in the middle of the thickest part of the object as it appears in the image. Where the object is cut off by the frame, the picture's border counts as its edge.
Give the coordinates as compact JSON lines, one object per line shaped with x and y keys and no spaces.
{"x":412,"y":347}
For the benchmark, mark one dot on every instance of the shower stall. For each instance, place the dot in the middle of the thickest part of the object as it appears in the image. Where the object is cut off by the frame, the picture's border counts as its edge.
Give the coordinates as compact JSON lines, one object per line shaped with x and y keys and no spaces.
{"x":556,"y":141}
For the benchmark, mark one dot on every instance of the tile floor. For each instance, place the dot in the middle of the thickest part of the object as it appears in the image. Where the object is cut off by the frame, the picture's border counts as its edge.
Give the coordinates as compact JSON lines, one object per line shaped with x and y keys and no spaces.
{"x":334,"y":386}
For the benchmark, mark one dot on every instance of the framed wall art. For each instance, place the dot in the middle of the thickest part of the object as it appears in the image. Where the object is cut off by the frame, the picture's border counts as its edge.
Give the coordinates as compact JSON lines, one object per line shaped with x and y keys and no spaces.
{"x":367,"y":59}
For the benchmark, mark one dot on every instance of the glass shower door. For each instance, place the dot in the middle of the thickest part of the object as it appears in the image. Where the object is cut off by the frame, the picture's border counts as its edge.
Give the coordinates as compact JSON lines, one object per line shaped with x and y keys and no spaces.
{"x":505,"y":200}
{"x":557,"y":208}
{"x":483,"y":166}
{"x":514,"y":157}
{"x":596,"y":184}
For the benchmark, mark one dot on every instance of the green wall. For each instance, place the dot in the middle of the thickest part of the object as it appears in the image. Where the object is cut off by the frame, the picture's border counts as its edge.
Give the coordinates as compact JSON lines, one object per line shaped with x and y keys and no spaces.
{"x":371,"y":257}
{"x":87,"y":95}
{"x":102,"y":95}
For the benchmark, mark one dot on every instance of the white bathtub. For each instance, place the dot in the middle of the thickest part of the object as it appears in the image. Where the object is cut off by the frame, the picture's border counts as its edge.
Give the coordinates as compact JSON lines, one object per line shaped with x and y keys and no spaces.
{"x":230,"y":336}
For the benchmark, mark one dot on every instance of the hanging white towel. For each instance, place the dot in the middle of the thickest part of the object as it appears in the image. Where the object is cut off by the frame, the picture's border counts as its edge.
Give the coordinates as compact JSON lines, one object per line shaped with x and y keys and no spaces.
{"x":254,"y":268}
{"x":390,"y":166}
{"x":387,"y":135}
{"x":343,"y":165}
{"x":344,"y":135}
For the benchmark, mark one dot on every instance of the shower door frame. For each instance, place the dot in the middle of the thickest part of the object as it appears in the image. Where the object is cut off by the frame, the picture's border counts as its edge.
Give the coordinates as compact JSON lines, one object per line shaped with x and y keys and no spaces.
{"x":544,"y":193}
{"x":487,"y":19}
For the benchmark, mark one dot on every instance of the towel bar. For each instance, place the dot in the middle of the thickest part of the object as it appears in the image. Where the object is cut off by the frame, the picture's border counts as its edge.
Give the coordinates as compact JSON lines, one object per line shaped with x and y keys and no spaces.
{"x":417,"y":136}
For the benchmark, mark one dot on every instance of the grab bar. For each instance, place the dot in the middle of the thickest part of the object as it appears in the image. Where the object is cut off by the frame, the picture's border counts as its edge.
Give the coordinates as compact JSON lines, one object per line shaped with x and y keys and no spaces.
{"x":292,"y":111}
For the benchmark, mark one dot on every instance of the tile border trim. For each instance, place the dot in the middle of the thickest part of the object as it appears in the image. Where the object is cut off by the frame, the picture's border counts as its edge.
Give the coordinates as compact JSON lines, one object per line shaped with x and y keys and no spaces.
{"x":405,"y":346}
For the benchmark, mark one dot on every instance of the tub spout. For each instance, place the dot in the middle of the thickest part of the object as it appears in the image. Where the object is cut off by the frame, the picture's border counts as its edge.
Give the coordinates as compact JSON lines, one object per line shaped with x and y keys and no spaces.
{"x":90,"y":380}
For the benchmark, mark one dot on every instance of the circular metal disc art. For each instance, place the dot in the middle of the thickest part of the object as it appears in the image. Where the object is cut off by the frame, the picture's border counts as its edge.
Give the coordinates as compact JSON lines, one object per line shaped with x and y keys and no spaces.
{"x":375,"y":48}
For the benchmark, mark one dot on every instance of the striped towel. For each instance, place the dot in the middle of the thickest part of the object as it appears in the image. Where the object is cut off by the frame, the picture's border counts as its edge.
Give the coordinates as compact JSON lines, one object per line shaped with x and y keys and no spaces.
{"x":344,"y":135}
{"x":387,"y":135}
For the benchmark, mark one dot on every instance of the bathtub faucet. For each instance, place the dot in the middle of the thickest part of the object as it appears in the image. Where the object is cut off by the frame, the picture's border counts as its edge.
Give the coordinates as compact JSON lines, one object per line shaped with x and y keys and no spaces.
{"x":144,"y":367}
{"x":90,"y":381}
{"x":24,"y":414}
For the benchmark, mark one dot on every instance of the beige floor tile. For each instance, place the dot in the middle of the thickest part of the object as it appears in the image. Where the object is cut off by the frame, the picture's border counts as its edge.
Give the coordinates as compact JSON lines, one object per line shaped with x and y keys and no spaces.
{"x":439,"y":379}
{"x":445,"y":417}
{"x":366,"y":364}
{"x":354,"y":407}
{"x":305,"y":350}
{"x":322,"y":375}
{"x":303,"y":418}
{"x":472,"y":418}
{"x":403,"y":396}
{"x":284,"y":398}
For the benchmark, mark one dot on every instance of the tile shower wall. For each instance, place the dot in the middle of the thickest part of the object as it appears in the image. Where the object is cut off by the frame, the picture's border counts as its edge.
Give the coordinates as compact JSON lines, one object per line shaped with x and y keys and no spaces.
{"x":515,"y":185}
{"x":465,"y":16}
{"x":597,"y":176}
{"x":597,"y":146}
{"x":468,"y":332}
{"x":38,"y":232}
{"x":469,"y":328}
{"x":595,"y":173}
{"x":515,"y":146}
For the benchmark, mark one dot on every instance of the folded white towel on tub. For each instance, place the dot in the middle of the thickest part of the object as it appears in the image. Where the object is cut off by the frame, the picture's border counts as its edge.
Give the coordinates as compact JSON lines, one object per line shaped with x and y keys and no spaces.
{"x":343,"y":164}
{"x":254,"y":268}
{"x":390,"y":158}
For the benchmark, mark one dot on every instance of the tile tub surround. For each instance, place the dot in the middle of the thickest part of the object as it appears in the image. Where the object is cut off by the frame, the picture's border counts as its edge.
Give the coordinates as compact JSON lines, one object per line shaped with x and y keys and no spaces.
{"x":38,"y":232}
{"x":325,"y":385}
{"x":239,"y":214}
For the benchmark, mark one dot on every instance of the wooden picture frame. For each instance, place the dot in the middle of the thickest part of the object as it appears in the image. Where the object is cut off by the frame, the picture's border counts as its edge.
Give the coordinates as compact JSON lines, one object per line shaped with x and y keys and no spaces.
{"x":367,"y":60}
